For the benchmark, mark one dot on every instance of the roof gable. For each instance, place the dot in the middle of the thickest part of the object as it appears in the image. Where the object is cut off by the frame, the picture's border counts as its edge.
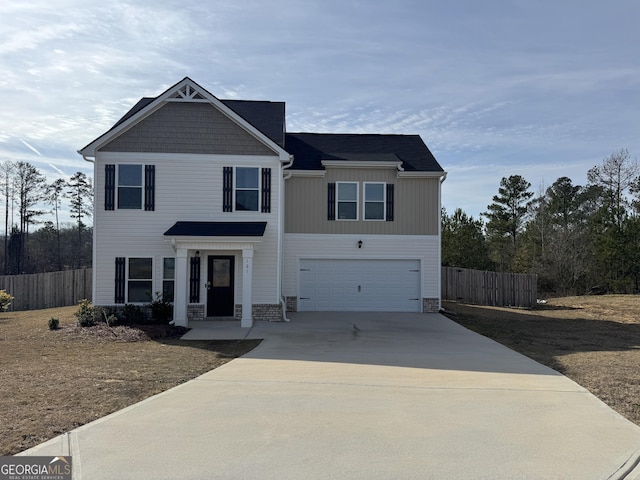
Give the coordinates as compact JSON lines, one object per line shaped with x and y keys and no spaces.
{"x":187,"y":91}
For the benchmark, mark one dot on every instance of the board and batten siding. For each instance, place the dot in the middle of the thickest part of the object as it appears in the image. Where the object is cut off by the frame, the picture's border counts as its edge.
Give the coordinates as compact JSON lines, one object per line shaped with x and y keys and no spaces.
{"x":416,"y":204}
{"x":188,"y":188}
{"x":424,"y":248}
{"x":188,"y":128}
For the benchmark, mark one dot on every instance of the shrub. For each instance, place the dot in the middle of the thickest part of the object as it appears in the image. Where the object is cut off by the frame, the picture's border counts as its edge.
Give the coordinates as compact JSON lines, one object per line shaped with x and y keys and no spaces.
{"x":133,"y":313}
{"x":54,"y":323}
{"x":87,"y":314}
{"x":5,"y":300}
{"x":161,"y":309}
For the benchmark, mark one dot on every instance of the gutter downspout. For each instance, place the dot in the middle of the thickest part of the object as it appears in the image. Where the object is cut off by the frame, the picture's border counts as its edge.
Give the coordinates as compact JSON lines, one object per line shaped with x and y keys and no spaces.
{"x":94,"y":250}
{"x":285,"y":176}
{"x":442,"y":179}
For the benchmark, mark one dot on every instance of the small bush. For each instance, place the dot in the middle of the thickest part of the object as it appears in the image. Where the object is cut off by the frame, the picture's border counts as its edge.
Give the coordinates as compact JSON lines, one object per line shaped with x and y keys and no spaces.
{"x":5,"y":300}
{"x":87,"y":314}
{"x":133,"y":313}
{"x":161,"y":310}
{"x":54,"y":324}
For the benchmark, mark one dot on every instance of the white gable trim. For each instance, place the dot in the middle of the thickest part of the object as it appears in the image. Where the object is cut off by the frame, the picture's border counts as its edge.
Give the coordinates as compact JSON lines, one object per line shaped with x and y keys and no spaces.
{"x":184,"y":91}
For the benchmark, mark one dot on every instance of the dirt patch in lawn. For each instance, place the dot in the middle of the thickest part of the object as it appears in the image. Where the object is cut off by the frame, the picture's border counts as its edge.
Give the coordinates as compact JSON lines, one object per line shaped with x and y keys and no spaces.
{"x":54,"y":381}
{"x":593,"y":340}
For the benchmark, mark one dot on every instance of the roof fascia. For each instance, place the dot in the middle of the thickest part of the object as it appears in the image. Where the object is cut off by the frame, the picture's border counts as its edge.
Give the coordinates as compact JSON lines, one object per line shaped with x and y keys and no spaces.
{"x":357,"y":164}
{"x":161,"y":100}
{"x":422,"y":174}
{"x":307,"y":173}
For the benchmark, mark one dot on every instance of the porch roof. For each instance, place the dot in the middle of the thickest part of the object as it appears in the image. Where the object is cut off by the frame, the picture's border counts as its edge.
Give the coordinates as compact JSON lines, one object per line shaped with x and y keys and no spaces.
{"x":217,"y":229}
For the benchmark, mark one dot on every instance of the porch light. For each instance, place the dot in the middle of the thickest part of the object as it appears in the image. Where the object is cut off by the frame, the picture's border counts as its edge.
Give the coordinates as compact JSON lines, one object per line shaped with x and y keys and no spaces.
{"x":359,"y":243}
{"x":197,"y":253}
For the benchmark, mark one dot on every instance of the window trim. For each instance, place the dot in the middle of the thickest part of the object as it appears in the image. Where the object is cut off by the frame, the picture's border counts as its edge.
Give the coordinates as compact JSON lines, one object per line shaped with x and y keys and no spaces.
{"x":167,"y":279}
{"x":141,"y":187}
{"x":128,"y":279}
{"x":365,"y":201}
{"x":258,"y":189}
{"x":338,"y":201}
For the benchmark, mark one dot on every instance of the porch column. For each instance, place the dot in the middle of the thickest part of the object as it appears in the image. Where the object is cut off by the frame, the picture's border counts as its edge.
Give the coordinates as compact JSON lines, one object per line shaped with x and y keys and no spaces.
{"x":247,"y":276}
{"x":182,"y":284}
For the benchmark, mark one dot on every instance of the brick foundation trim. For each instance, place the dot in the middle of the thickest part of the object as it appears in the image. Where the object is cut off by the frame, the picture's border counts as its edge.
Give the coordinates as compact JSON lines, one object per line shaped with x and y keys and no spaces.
{"x":430,"y":305}
{"x":271,"y":312}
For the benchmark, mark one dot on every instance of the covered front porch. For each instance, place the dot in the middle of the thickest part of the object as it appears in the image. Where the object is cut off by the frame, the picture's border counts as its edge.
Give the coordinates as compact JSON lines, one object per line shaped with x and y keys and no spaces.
{"x":214,"y":270}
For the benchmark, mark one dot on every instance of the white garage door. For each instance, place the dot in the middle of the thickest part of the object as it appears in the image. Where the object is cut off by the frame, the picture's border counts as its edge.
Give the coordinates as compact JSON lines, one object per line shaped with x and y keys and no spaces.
{"x":360,"y":285}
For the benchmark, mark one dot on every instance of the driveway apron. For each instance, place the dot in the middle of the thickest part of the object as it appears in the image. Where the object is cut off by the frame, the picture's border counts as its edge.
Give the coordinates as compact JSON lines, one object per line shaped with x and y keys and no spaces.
{"x":361,"y":396}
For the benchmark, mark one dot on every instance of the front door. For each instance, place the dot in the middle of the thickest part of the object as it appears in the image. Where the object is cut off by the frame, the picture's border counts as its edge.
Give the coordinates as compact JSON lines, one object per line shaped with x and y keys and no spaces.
{"x":220,"y":301}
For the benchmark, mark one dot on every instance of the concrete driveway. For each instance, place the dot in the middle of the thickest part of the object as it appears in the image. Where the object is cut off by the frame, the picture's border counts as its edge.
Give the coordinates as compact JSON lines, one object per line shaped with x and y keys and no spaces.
{"x":361,"y":395}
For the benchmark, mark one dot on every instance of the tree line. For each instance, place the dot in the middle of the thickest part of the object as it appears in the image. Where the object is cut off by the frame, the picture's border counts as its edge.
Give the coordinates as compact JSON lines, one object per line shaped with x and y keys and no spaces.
{"x":577,"y":238}
{"x":33,"y":244}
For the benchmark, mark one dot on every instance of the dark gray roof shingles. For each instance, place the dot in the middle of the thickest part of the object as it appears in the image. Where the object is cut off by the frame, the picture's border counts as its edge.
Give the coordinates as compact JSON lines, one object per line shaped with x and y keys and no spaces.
{"x":217,"y":229}
{"x":309,"y":149}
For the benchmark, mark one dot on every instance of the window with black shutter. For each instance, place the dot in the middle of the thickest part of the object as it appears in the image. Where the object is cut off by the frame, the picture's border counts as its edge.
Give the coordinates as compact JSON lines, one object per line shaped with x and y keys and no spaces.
{"x":120,"y":280}
{"x":150,"y":188}
{"x":266,"y":190}
{"x":331,"y":201}
{"x":390,"y":195}
{"x":227,"y":189}
{"x":194,"y":280}
{"x":109,"y":187}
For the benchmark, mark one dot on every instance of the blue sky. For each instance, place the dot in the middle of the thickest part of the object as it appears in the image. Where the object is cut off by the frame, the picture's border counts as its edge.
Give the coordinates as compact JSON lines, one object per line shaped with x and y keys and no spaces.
{"x":540,"y":89}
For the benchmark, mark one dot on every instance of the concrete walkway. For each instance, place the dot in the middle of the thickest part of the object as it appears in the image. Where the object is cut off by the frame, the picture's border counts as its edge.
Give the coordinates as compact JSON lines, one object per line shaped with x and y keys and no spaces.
{"x":361,"y":396}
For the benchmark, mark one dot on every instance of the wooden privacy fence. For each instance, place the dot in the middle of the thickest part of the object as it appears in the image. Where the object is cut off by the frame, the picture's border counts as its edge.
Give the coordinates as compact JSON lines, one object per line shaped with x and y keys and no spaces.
{"x":489,"y":288}
{"x":47,"y":290}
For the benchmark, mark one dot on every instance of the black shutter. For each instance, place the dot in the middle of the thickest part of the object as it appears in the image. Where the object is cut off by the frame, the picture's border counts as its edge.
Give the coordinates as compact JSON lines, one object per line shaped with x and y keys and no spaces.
{"x":194,"y":280}
{"x":227,"y":189}
{"x":150,"y":188}
{"x":120,"y":280}
{"x":266,"y":190}
{"x":389,"y":202}
{"x":109,"y":187}
{"x":331,"y":201}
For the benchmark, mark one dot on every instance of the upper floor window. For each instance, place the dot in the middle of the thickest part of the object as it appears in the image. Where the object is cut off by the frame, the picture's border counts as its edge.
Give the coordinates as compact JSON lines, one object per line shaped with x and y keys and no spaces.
{"x":374,"y":201}
{"x":129,"y":186}
{"x":347,"y":205}
{"x":247,"y":189}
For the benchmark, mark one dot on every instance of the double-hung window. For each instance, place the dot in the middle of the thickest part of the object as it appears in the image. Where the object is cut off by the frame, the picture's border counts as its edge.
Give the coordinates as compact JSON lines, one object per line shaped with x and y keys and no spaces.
{"x":374,"y":201}
{"x":347,"y":204}
{"x":168,"y":278}
{"x":247,"y":189}
{"x":140,"y":280}
{"x":129,"y":187}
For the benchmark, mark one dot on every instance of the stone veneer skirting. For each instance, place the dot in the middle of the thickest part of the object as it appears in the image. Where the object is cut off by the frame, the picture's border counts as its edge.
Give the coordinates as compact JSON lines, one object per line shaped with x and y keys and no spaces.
{"x":195,"y":312}
{"x":430,"y":305}
{"x":292,"y":304}
{"x":271,"y":312}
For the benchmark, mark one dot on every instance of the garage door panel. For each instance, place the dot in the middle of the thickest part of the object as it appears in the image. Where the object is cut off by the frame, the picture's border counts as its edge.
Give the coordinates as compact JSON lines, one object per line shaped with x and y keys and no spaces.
{"x":359,"y":285}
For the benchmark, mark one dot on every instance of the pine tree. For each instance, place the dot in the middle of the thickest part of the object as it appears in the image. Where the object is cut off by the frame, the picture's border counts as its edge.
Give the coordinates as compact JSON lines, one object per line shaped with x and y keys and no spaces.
{"x":80,"y":193}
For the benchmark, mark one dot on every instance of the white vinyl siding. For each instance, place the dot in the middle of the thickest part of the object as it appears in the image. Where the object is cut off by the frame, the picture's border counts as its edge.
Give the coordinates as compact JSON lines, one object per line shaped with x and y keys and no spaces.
{"x":188,"y":188}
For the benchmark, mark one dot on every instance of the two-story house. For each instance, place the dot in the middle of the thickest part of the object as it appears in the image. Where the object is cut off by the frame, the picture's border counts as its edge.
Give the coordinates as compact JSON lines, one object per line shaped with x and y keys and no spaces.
{"x":214,"y":204}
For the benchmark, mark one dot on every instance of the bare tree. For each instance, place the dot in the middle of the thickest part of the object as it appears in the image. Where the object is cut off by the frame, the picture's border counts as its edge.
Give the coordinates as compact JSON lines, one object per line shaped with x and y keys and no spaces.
{"x":80,"y":193}
{"x":6,"y":190}
{"x":29,"y":185}
{"x":54,"y":194}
